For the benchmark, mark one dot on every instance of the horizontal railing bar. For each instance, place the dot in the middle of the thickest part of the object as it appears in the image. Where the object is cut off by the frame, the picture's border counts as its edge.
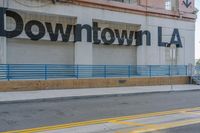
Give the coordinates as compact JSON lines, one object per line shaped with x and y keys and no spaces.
{"x":49,"y":71}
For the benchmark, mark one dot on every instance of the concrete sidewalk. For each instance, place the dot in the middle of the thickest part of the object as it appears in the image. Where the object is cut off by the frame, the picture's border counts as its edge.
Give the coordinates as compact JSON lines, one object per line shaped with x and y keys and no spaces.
{"x":41,"y":95}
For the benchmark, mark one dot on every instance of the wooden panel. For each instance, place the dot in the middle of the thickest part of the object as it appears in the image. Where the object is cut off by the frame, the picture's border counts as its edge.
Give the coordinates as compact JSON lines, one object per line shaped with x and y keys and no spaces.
{"x":88,"y":83}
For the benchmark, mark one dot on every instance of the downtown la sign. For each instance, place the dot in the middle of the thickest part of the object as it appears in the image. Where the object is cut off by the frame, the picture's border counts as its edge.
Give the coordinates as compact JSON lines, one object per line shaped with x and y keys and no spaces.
{"x":123,"y":36}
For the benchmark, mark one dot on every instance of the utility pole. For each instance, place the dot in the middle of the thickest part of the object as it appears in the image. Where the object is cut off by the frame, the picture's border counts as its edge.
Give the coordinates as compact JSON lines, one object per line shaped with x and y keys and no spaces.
{"x":173,"y":60}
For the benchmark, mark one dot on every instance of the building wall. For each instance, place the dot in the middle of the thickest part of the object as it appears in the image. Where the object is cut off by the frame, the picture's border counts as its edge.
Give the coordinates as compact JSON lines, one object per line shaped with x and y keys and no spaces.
{"x":21,"y":51}
{"x":114,"y":54}
{"x":153,"y":3}
{"x":157,"y":55}
{"x":88,"y":53}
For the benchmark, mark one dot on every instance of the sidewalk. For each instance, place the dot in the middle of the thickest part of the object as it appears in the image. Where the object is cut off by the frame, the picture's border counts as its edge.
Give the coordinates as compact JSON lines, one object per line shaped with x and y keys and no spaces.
{"x":25,"y":96}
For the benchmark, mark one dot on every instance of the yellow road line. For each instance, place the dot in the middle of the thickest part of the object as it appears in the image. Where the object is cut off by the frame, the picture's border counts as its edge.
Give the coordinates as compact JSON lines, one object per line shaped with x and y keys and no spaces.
{"x":131,"y":123}
{"x":100,"y":121}
{"x":190,"y":112}
{"x":167,"y":126}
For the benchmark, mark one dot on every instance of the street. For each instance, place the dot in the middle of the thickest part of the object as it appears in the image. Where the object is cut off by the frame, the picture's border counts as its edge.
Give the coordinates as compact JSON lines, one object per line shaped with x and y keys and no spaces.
{"x":18,"y":116}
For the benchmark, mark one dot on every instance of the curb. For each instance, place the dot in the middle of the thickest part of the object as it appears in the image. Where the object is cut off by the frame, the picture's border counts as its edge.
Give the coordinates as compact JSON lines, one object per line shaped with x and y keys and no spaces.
{"x":89,"y":97}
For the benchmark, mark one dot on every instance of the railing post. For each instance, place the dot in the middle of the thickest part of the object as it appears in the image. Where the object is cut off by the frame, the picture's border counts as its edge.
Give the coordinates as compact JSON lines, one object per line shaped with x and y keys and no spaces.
{"x":169,"y":70}
{"x":45,"y":69}
{"x":105,"y":74}
{"x":150,"y":70}
{"x":8,"y":72}
{"x":77,"y":71}
{"x":129,"y":71}
{"x":186,"y":69}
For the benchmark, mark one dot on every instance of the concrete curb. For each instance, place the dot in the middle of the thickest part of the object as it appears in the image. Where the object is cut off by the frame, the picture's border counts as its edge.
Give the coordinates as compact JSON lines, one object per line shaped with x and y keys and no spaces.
{"x":90,"y":96}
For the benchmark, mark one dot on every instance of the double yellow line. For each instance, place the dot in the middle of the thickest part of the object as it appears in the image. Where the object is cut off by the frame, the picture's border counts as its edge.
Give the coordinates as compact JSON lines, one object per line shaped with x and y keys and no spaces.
{"x":166,"y":126}
{"x":117,"y":119}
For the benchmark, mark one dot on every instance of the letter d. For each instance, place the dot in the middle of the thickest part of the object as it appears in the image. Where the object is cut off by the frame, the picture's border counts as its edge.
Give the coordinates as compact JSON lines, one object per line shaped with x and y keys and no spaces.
{"x":18,"y":20}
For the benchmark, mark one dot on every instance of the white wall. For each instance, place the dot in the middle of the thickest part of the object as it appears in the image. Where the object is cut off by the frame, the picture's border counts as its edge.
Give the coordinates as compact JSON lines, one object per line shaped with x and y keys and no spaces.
{"x":39,"y":52}
{"x":156,"y":55}
{"x":114,"y":55}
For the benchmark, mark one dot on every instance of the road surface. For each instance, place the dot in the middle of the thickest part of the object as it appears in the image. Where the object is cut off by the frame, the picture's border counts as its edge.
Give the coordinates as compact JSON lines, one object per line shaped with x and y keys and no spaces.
{"x":19,"y":116}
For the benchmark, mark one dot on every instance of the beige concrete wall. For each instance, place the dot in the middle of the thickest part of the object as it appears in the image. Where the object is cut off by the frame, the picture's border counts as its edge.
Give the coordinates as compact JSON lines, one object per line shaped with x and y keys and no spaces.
{"x":88,"y":83}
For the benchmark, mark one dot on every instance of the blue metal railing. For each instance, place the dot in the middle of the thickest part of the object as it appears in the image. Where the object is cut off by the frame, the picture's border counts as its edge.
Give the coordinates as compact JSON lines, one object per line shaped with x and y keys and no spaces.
{"x":61,"y":71}
{"x":197,"y":70}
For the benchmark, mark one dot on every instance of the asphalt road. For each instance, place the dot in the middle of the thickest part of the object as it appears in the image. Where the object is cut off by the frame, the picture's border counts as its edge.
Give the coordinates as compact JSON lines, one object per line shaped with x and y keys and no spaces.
{"x":28,"y":115}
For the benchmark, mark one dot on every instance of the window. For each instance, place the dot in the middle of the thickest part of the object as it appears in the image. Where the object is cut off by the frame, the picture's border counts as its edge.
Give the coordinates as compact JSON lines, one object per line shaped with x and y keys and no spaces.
{"x":171,"y":4}
{"x":168,"y":5}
